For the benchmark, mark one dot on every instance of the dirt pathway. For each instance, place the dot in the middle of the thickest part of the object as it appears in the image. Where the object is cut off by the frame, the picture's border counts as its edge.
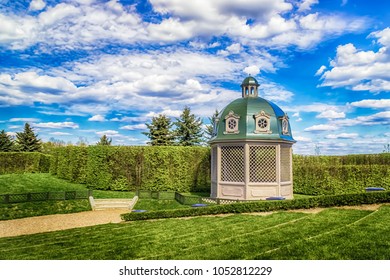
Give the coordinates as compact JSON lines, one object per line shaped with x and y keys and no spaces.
{"x":58,"y":222}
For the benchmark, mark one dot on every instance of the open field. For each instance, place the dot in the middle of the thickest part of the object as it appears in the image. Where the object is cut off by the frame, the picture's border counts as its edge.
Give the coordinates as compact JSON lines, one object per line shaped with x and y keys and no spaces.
{"x":329,"y":234}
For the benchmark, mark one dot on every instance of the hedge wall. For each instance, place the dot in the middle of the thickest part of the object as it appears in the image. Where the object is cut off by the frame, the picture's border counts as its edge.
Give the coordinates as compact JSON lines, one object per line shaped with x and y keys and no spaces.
{"x":265,"y":206}
{"x":129,"y":168}
{"x":186,"y":169}
{"x":314,"y":175}
{"x":21,"y":162}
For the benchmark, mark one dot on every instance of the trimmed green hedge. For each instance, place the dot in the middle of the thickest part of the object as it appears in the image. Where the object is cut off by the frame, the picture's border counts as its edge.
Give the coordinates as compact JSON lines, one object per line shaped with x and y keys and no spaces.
{"x":265,"y":206}
{"x":122,"y":168}
{"x":185,"y":169}
{"x":21,"y":162}
{"x":318,"y":175}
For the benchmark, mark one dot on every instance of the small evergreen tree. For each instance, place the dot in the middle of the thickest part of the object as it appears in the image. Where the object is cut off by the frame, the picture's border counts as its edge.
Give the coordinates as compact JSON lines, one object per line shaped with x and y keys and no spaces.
{"x":27,"y":141}
{"x":6,"y":143}
{"x":188,"y":129}
{"x":209,"y":131}
{"x":160,"y":133}
{"x":104,"y":141}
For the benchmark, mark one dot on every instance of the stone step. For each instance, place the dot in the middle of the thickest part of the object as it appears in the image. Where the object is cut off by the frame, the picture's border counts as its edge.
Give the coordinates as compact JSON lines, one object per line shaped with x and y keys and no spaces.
{"x":120,"y":203}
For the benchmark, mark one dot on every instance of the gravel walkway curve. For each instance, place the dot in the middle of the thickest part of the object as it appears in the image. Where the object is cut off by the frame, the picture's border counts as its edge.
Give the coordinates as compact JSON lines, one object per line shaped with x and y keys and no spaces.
{"x":49,"y":223}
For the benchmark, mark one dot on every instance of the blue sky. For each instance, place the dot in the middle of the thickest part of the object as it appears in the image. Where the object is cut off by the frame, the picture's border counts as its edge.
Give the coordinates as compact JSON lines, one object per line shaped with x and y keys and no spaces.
{"x":79,"y":69}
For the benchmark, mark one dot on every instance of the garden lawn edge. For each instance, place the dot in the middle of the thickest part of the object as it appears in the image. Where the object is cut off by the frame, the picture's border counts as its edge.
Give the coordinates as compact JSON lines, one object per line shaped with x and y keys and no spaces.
{"x":266,"y":206}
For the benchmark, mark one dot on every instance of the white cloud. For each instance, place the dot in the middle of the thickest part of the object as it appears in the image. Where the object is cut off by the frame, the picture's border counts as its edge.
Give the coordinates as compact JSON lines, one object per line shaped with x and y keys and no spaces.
{"x":234,"y":48}
{"x":70,"y":26}
{"x":97,"y":118}
{"x":297,"y":116}
{"x":37,"y":5}
{"x":315,"y":28}
{"x":372,"y":103}
{"x":342,"y":136}
{"x":29,"y":120}
{"x":381,"y":118}
{"x":59,"y":133}
{"x":252,"y":70}
{"x":108,"y":133}
{"x":87,"y":25}
{"x":331,"y":114}
{"x":316,"y":107}
{"x":302,"y":139}
{"x":320,"y":70}
{"x":321,"y":127}
{"x":56,"y":125}
{"x":28,"y":87}
{"x":141,"y":126}
{"x":305,"y":5}
{"x":361,"y":70}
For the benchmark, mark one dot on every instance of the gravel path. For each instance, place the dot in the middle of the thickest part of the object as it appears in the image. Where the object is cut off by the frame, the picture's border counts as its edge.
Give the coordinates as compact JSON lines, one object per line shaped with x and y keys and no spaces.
{"x":58,"y":222}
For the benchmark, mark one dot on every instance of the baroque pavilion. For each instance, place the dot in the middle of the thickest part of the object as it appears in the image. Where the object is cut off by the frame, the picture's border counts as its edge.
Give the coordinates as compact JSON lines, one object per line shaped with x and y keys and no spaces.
{"x":251,"y":149}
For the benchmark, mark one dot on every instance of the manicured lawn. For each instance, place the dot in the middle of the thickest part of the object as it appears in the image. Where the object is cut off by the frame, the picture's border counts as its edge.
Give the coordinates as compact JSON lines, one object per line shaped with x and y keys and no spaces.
{"x":330,"y":234}
{"x":35,"y":182}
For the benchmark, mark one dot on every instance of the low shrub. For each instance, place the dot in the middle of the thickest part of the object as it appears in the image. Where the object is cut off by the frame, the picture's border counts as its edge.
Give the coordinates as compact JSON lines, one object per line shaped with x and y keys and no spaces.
{"x":265,"y":206}
{"x":32,"y":209}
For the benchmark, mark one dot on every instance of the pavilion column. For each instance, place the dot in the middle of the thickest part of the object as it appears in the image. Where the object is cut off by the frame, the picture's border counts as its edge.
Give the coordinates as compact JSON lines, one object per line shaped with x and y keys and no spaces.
{"x":278,"y":170}
{"x":219,"y":162}
{"x":246,"y":169}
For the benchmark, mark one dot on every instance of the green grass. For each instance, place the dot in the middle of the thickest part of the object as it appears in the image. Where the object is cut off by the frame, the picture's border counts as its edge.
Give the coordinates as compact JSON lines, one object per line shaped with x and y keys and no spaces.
{"x":35,"y":182}
{"x":45,"y":182}
{"x":330,"y":234}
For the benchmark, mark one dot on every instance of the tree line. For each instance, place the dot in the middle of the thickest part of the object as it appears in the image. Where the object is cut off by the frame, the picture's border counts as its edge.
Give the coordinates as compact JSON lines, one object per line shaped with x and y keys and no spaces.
{"x":187,"y":130}
{"x":25,"y":141}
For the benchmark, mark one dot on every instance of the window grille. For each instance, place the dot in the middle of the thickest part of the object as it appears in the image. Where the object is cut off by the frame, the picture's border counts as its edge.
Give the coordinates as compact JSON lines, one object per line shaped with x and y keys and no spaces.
{"x":262,"y":161}
{"x":232,"y":163}
{"x":285,"y":164}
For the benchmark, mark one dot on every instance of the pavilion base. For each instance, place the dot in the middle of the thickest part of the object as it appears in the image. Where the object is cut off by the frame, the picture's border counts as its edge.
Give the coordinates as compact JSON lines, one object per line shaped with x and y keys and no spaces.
{"x":240,"y":191}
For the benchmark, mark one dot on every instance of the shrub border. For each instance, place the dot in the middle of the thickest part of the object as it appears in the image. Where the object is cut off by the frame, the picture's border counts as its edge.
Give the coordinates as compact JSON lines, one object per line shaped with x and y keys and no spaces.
{"x":265,"y":206}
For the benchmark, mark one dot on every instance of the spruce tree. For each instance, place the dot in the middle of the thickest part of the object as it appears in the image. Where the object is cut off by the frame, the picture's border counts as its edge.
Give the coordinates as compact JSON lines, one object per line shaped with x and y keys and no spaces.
{"x":188,"y":129}
{"x":210,"y":128}
{"x":6,"y":143}
{"x":27,"y":141}
{"x":104,"y":141}
{"x":160,"y":133}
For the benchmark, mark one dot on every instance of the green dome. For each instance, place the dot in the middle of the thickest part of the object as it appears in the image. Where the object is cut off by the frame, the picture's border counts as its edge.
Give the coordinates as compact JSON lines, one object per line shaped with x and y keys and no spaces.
{"x":252,"y":119}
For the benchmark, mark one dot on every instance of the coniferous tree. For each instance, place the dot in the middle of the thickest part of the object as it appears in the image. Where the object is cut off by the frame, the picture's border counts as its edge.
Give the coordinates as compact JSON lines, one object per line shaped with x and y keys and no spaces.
{"x":188,"y":129}
{"x":6,"y":143}
{"x":27,"y":141}
{"x":104,"y":141}
{"x":210,"y":128}
{"x":160,"y":133}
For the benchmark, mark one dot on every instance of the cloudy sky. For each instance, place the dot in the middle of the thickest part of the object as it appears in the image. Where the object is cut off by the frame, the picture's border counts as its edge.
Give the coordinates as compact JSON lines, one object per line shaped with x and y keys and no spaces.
{"x":78,"y":69}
